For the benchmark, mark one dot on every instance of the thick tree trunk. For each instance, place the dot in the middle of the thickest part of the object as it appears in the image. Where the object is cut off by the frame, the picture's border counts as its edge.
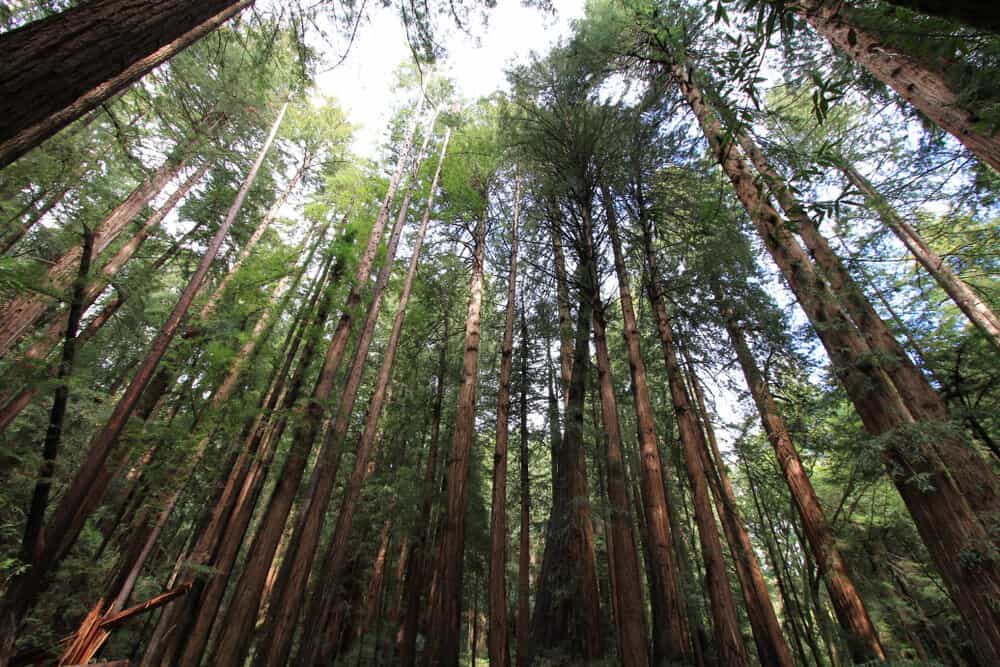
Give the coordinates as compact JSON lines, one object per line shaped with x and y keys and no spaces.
{"x":770,"y":643}
{"x":524,"y":551}
{"x":672,"y":645}
{"x":630,"y":613}
{"x":21,"y":313}
{"x":92,"y":478}
{"x":283,"y":610}
{"x":927,"y":90}
{"x":241,"y":614}
{"x":940,"y":508}
{"x":497,"y":635}
{"x":965,"y":297}
{"x":58,"y":68}
{"x":847,"y":602}
{"x":446,"y":616}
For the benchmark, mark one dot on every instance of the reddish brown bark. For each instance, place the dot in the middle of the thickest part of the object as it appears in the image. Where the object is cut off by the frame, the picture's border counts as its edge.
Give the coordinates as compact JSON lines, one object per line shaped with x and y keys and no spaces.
{"x":497,"y":636}
{"x":848,"y":605}
{"x":60,"y":67}
{"x":290,"y":590}
{"x":673,"y":644}
{"x":927,"y":90}
{"x":941,"y":507}
{"x":524,"y":551}
{"x":446,"y":615}
{"x":771,"y":646}
{"x":630,"y":613}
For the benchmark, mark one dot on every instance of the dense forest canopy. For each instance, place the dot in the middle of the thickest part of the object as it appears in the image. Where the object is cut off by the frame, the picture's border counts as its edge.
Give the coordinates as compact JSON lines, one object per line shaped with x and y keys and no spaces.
{"x":679,"y":348}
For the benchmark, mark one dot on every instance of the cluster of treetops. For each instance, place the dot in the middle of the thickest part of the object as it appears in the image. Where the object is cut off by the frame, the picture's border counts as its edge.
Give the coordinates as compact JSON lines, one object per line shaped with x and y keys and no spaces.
{"x":725,"y":272}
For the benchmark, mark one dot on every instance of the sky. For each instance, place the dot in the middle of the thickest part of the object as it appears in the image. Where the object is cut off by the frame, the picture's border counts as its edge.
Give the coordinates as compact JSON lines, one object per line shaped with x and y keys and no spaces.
{"x":363,"y":83}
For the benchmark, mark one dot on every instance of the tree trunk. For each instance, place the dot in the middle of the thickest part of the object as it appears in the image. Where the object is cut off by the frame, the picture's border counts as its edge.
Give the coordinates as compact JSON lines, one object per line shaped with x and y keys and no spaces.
{"x":22,"y":312}
{"x":446,"y":616}
{"x":770,"y":643}
{"x":927,"y":90}
{"x":92,"y":478}
{"x":58,"y":68}
{"x":283,"y":610}
{"x":940,"y":509}
{"x":847,"y":603}
{"x":630,"y":614}
{"x":241,"y":614}
{"x":13,"y":236}
{"x":524,"y":552}
{"x":497,"y":635}
{"x":962,"y":294}
{"x":672,"y":645}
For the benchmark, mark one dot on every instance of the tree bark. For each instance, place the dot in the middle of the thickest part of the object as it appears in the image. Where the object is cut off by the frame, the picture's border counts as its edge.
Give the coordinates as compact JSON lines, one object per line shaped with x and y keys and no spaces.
{"x":446,"y":616}
{"x":59,"y":68}
{"x":630,"y":614}
{"x":241,"y":614}
{"x":927,"y":90}
{"x":770,"y":643}
{"x":962,"y":294}
{"x":975,"y":14}
{"x":524,"y":551}
{"x":940,"y":508}
{"x":92,"y":478}
{"x":673,"y":644}
{"x":289,"y":592}
{"x":497,"y":635}
{"x":847,"y":602}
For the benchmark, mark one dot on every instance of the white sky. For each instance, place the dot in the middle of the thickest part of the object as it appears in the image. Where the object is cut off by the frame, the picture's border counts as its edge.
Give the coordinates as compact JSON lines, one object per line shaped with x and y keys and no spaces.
{"x":363,"y":83}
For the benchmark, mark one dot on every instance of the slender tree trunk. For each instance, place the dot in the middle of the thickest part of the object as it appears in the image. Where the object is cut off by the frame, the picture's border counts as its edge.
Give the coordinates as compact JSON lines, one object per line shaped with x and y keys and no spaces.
{"x":53,"y":434}
{"x":446,"y":616}
{"x":238,"y":622}
{"x":562,"y":300}
{"x":630,"y":615}
{"x":524,"y":553}
{"x":497,"y":636}
{"x":21,"y":313}
{"x":962,"y":294}
{"x":59,"y":68}
{"x":419,"y":562}
{"x":34,"y":215}
{"x":770,"y":643}
{"x":92,"y":478}
{"x":672,"y":644}
{"x":940,"y":508}
{"x":847,"y":602}
{"x":927,"y":90}
{"x":289,"y":593}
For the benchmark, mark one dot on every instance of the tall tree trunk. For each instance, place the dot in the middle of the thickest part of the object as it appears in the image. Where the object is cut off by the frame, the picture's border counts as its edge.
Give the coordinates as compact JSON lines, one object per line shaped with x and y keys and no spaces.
{"x":770,"y":643}
{"x":11,"y":238}
{"x":940,"y":508}
{"x":446,"y":616}
{"x":289,"y":592}
{"x":53,"y":434}
{"x":58,"y":68}
{"x":419,"y":562}
{"x":630,"y":614}
{"x":562,"y":299}
{"x":22,"y":312}
{"x":927,"y":90}
{"x":524,"y":551}
{"x":92,"y":478}
{"x":964,"y":296}
{"x":241,"y":614}
{"x":673,"y":644}
{"x":497,"y":636}
{"x":847,"y":602}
